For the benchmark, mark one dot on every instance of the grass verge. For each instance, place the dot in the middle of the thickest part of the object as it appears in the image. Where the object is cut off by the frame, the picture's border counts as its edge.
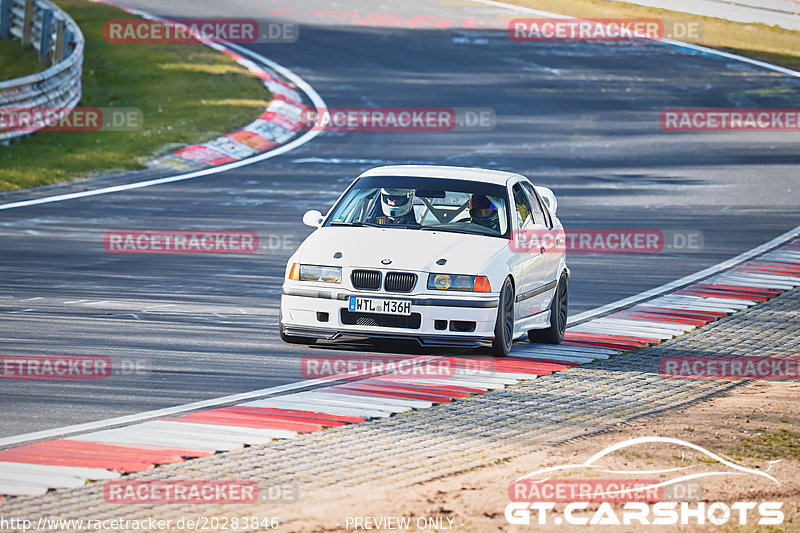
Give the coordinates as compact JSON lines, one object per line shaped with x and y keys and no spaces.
{"x":188,"y":93}
{"x":16,"y":61}
{"x":756,"y":41}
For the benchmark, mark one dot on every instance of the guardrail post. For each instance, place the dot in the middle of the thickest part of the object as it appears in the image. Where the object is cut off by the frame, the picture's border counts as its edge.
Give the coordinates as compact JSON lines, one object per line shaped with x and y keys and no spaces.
{"x":27,"y":23}
{"x":5,"y":19}
{"x":58,"y":51}
{"x":69,"y":43}
{"x":46,"y":39}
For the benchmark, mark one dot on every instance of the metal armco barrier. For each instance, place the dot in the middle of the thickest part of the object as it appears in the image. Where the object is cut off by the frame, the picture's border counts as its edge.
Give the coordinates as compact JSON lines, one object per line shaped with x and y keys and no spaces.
{"x":59,"y":42}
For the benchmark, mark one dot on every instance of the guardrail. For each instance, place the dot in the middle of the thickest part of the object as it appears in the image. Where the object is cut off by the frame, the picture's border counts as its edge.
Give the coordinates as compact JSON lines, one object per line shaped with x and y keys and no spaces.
{"x":60,"y":44}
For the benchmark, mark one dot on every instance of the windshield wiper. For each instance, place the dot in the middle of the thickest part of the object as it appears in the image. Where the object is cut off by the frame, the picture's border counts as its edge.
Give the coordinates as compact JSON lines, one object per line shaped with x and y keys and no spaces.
{"x":454,"y":230}
{"x":358,"y":224}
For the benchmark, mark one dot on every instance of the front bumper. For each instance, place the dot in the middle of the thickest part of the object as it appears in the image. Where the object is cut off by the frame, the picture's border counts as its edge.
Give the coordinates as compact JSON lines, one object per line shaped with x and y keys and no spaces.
{"x":465,"y":320}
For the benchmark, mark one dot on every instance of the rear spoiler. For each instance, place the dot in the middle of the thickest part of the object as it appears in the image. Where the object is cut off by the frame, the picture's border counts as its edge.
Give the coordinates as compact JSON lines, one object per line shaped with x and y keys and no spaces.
{"x":549,"y":198}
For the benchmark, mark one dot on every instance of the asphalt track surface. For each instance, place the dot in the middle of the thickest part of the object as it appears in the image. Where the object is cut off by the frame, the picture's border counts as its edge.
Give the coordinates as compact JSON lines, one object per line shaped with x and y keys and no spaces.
{"x":579,"y":118}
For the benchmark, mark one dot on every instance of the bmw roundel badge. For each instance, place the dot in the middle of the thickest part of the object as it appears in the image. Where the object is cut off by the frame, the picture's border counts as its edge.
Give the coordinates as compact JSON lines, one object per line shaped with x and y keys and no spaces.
{"x":386,"y":261}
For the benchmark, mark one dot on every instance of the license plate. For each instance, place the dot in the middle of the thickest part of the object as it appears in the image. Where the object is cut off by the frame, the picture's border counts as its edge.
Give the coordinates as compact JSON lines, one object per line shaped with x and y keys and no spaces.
{"x":380,"y":306}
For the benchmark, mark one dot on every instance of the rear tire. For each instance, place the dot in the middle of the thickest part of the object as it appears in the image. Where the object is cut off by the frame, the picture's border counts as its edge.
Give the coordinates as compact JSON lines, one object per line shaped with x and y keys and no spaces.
{"x":504,"y":325}
{"x":558,"y":316}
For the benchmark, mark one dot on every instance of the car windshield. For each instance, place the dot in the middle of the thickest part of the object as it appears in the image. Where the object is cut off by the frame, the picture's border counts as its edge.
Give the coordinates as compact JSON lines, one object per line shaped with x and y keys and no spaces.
{"x":424,"y":204}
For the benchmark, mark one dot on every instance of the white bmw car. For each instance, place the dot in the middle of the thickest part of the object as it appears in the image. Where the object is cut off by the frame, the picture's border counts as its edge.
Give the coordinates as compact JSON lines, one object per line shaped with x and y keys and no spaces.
{"x":431,"y":253}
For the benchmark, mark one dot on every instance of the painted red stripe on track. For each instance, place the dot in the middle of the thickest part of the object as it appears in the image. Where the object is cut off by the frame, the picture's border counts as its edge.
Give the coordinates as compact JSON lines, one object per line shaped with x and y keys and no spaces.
{"x":770,"y":265}
{"x":74,"y":448}
{"x":719,"y":294}
{"x":691,"y":313}
{"x":275,"y":423}
{"x":790,"y":263}
{"x":718,"y":290}
{"x":647,"y":317}
{"x":232,"y":416}
{"x":740,"y":288}
{"x":437,"y":396}
{"x":310,"y":415}
{"x":530,"y":369}
{"x":545,"y":360}
{"x":610,"y":337}
{"x":108,"y":464}
{"x":377,"y":391}
{"x":402,"y":379}
{"x":436,"y":390}
{"x":522,"y":364}
{"x":616,"y":345}
{"x":769,"y":271}
{"x":183,"y":452}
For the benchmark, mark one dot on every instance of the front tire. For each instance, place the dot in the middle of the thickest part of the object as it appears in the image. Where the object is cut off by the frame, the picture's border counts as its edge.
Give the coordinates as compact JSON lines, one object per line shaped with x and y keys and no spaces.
{"x":558,"y":316}
{"x":504,"y":326}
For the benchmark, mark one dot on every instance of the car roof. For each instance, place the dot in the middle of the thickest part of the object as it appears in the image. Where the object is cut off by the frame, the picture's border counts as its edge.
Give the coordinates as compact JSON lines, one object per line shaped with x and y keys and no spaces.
{"x":434,"y":171}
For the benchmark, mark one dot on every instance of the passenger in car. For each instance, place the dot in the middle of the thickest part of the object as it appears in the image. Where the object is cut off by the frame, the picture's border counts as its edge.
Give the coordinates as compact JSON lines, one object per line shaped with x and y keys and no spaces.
{"x":481,"y":212}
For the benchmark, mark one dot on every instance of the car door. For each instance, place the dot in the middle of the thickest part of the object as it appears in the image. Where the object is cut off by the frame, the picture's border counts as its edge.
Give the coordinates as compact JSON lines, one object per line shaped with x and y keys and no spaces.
{"x":551,"y":240}
{"x":531,"y":263}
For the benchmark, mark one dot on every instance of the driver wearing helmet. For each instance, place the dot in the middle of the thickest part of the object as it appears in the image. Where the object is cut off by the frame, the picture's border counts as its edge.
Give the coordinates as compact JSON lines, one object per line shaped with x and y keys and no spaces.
{"x":481,"y":212}
{"x":397,"y":206}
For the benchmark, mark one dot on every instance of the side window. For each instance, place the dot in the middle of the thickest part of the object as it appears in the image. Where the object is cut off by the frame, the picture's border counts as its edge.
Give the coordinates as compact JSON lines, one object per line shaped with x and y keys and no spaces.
{"x":523,"y":208}
{"x":538,"y":213}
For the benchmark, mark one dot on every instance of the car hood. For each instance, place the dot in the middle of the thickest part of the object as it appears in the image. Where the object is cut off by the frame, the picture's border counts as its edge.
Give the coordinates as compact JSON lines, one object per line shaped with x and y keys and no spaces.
{"x":407,"y":249}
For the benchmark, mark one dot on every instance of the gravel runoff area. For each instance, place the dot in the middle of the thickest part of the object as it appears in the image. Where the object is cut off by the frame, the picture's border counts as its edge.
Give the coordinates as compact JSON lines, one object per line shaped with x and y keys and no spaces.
{"x":477,"y":431}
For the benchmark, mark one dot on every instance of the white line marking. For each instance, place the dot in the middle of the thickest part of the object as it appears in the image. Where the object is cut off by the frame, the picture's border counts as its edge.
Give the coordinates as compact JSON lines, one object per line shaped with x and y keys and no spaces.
{"x":297,"y":80}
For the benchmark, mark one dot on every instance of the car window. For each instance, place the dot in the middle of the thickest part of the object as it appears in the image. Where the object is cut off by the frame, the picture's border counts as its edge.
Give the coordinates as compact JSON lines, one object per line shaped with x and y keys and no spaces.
{"x":523,"y":208}
{"x":420,"y":203}
{"x":538,"y":209}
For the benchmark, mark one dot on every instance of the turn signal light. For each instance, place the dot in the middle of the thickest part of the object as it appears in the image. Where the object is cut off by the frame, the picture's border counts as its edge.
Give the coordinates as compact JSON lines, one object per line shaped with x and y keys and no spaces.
{"x":295,"y":272}
{"x":482,"y":284}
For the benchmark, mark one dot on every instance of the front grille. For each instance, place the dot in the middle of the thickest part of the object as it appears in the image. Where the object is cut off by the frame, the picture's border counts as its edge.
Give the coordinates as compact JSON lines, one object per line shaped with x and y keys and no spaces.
{"x":366,"y":279}
{"x":386,"y":321}
{"x":400,"y":282}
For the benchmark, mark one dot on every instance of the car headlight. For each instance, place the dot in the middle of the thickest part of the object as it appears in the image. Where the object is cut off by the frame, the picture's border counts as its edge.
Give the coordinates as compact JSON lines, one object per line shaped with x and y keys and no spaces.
{"x":327,"y":274}
{"x":458,"y":282}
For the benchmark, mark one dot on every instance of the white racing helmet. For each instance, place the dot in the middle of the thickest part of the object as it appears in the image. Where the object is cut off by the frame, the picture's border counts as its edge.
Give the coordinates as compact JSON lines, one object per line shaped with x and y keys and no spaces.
{"x":397,"y":202}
